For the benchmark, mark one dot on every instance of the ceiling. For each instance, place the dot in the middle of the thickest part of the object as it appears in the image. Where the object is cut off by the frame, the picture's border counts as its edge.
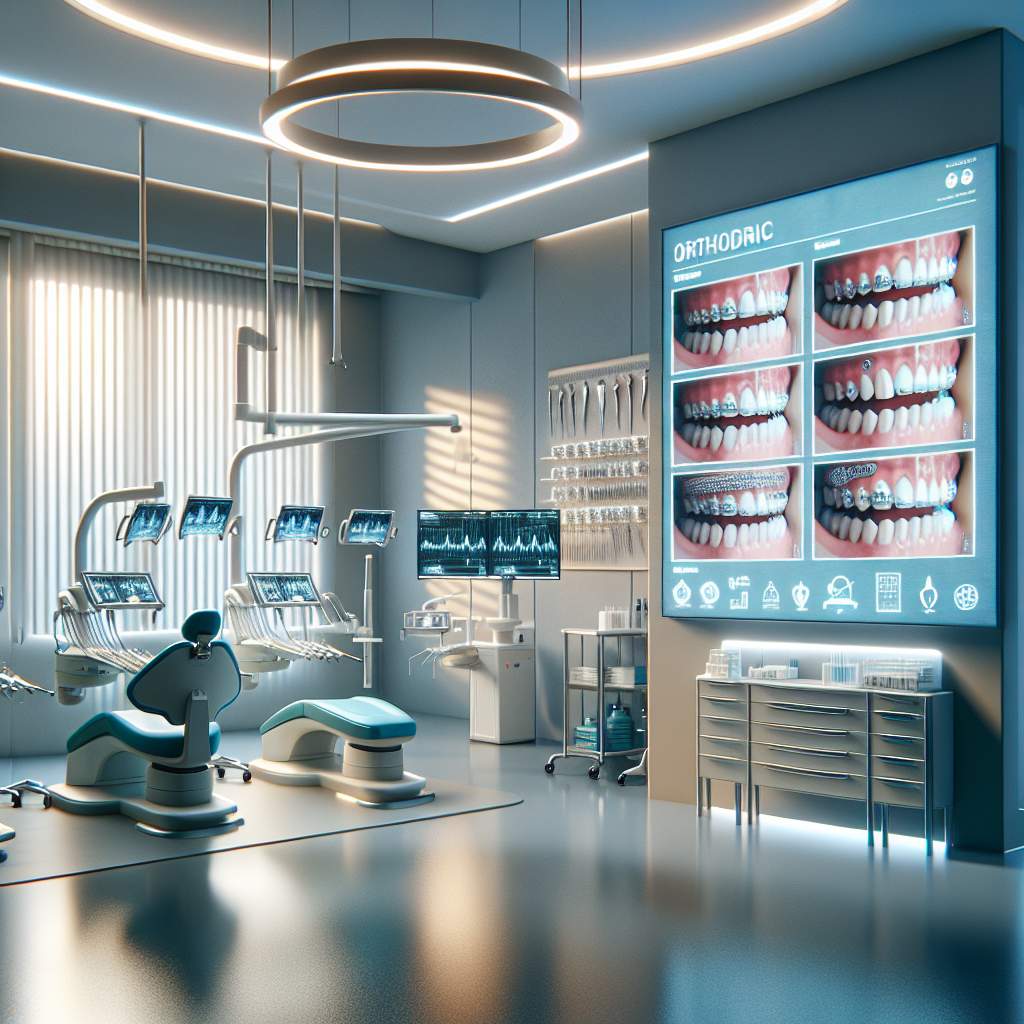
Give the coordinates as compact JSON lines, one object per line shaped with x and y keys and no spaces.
{"x":49,"y":42}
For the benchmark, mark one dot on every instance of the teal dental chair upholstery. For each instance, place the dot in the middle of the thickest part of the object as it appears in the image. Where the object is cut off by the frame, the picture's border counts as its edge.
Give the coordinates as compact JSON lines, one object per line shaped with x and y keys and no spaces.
{"x":299,"y":749}
{"x":152,"y":764}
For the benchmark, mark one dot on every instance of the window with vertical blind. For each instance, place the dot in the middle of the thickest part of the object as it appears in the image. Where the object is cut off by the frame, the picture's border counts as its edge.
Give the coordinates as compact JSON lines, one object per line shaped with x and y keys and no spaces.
{"x":98,"y":404}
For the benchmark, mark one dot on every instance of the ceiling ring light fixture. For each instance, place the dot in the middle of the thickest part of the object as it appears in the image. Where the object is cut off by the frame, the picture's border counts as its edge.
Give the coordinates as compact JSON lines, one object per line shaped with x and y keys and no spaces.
{"x":773,"y":27}
{"x":440,"y":66}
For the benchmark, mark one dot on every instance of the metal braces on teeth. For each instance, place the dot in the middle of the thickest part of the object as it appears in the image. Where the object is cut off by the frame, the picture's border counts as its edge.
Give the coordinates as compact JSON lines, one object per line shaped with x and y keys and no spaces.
{"x":839,"y":476}
{"x":702,"y":486}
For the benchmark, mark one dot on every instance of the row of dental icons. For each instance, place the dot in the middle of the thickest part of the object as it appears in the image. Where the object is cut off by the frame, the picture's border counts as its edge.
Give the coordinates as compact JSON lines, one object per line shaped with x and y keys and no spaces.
{"x":732,"y":437}
{"x":766,"y":303}
{"x":745,"y":535}
{"x":884,"y":385}
{"x":910,"y":530}
{"x":852,"y":421}
{"x":749,"y":404}
{"x":764,"y":503}
{"x":602,"y":471}
{"x":845,"y":315}
{"x":907,"y":275}
{"x":713,"y":342}
{"x":926,"y":494}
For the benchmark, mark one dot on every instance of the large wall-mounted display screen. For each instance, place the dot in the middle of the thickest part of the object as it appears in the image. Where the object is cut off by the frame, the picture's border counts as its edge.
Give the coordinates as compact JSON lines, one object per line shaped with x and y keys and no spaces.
{"x":830,"y":401}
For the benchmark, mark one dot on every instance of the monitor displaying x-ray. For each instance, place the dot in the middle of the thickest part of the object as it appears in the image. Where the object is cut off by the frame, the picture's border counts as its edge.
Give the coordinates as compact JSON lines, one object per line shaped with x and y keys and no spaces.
{"x":830,"y":399}
{"x":451,"y":545}
{"x":283,"y":589}
{"x":115,"y":590}
{"x":368,"y":526}
{"x":298,"y":522}
{"x":147,"y":522}
{"x":204,"y":517}
{"x":525,"y":545}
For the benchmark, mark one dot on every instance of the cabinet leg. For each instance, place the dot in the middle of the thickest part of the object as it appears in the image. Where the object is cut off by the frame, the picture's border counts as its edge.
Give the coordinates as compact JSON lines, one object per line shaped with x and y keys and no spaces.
{"x":757,"y":802}
{"x":885,"y":825}
{"x":928,"y":816}
{"x":707,"y":794}
{"x":700,"y":797}
{"x":737,"y":797}
{"x":870,"y":810}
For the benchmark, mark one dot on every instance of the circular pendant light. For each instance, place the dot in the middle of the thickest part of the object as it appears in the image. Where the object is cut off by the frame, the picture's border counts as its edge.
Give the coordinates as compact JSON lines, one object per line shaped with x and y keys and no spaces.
{"x":438,"y":66}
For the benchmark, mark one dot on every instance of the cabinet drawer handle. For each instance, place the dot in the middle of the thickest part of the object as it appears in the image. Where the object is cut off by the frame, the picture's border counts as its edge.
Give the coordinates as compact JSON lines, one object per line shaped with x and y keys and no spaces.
{"x":806,"y":728}
{"x":893,"y":738}
{"x":810,"y":710}
{"x":897,"y":699}
{"x":898,"y":760}
{"x":722,"y":700}
{"x":719,"y":718}
{"x":722,"y":682}
{"x":809,"y":750}
{"x":898,"y":716}
{"x":900,"y":783}
{"x":722,"y":757}
{"x":815,"y":772}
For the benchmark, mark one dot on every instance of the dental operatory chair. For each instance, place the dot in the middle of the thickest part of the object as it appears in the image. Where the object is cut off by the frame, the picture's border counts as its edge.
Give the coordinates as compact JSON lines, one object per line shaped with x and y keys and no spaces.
{"x":152,"y":764}
{"x":299,"y":749}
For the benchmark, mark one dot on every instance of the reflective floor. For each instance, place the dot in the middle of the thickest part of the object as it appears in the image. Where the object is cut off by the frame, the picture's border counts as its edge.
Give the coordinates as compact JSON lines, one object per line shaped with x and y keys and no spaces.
{"x":584,"y":903}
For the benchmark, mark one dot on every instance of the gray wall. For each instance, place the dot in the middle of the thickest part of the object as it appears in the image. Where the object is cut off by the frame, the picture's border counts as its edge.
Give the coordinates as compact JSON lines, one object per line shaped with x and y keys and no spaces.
{"x":571,"y":298}
{"x":801,"y":146}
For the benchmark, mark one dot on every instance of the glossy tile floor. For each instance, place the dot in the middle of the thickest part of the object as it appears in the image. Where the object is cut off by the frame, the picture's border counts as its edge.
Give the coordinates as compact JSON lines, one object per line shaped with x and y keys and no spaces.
{"x":585,"y":903}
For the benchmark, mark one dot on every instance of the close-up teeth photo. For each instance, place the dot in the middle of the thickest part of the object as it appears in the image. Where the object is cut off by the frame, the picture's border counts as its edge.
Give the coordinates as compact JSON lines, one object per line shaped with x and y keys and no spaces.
{"x":916,"y":286}
{"x":739,"y":320}
{"x":916,"y":506}
{"x":739,"y":514}
{"x":739,"y":417}
{"x":897,"y":397}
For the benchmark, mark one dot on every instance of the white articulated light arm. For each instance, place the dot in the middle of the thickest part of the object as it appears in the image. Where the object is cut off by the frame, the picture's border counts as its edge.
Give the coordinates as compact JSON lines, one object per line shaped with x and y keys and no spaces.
{"x":106,"y":498}
{"x":358,"y":425}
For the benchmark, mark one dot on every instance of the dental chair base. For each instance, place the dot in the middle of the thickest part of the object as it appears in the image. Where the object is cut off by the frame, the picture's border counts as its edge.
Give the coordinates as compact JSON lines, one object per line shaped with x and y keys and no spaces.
{"x":299,"y":749}
{"x":152,"y":763}
{"x":6,"y":834}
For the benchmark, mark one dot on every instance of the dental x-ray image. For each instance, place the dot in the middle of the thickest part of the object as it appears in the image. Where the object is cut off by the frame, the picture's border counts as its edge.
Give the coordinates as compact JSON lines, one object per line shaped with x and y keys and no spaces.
{"x":915,"y":286}
{"x":368,"y":526}
{"x":147,"y":522}
{"x":739,"y":417}
{"x":743,"y":514}
{"x":204,"y":517}
{"x":122,"y":590}
{"x":911,"y":506}
{"x":739,"y":320}
{"x":896,"y":397}
{"x":298,"y":522}
{"x":279,"y":589}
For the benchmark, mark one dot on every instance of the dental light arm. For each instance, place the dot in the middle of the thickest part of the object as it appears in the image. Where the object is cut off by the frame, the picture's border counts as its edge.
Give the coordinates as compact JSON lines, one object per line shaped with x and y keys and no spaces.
{"x":91,"y":510}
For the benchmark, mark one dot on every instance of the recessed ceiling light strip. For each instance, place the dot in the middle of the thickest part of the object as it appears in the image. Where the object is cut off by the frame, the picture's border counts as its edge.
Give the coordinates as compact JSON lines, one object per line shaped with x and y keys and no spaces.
{"x":780,"y":25}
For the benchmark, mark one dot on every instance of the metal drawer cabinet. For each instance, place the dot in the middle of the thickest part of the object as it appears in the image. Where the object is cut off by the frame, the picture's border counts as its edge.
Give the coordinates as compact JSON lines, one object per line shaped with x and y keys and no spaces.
{"x":721,"y":725}
{"x":821,"y":716}
{"x":723,"y":707}
{"x":898,"y":723}
{"x":808,"y":736}
{"x":722,"y":688}
{"x":906,"y":768}
{"x":823,"y":759}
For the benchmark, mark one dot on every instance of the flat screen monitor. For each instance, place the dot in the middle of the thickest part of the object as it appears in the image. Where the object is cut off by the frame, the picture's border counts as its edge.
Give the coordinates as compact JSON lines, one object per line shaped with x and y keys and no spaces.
{"x":298,"y":522}
{"x":204,"y":517}
{"x":525,"y":545}
{"x":830,"y":403}
{"x":283,"y":589}
{"x":451,"y":545}
{"x":115,"y":590}
{"x":368,"y":526}
{"x":148,"y":521}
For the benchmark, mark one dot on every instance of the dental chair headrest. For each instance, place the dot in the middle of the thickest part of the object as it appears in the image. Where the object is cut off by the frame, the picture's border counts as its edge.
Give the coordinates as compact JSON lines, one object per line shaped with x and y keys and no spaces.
{"x":205,"y":623}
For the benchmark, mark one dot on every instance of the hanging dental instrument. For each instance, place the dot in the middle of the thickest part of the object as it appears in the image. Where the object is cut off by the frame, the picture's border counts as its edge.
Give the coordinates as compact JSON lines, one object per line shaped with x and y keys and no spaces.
{"x":615,"y":394}
{"x":643,"y":394}
{"x":602,"y":388}
{"x":586,"y":396}
{"x":571,"y":389}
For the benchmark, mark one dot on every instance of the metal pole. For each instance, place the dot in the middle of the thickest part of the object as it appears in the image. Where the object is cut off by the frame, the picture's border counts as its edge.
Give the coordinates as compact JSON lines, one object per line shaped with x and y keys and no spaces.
{"x":271,"y":364}
{"x":300,"y":262}
{"x":337,"y":355}
{"x":143,"y":223}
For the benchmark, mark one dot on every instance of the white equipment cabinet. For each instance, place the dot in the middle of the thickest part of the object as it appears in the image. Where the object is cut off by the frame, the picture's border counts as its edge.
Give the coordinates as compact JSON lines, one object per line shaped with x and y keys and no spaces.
{"x":502,"y":688}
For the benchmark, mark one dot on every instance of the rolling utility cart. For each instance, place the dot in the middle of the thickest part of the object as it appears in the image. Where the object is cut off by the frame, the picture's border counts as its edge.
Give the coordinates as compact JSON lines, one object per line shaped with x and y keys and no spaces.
{"x":577,"y":677}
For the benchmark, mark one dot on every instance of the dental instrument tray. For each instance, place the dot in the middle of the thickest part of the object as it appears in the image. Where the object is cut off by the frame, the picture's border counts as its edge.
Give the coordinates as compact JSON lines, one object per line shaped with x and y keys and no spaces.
{"x":426,"y":622}
{"x":283,"y":589}
{"x":117,"y":590}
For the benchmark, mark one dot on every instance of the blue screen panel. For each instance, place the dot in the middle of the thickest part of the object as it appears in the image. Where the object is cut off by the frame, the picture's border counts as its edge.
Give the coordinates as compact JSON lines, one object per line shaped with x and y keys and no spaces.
{"x":298,"y":522}
{"x":204,"y":517}
{"x":451,"y":545}
{"x":830,"y":403}
{"x":147,"y":522}
{"x":525,"y":545}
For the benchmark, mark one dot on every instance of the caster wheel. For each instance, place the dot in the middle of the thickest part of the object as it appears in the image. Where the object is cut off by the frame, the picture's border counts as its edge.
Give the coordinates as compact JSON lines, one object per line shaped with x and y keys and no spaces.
{"x":594,"y":771}
{"x":16,"y":800}
{"x":550,"y":769}
{"x":220,"y":773}
{"x":247,"y":776}
{"x":621,"y":780}
{"x":47,"y":801}
{"x":3,"y":856}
